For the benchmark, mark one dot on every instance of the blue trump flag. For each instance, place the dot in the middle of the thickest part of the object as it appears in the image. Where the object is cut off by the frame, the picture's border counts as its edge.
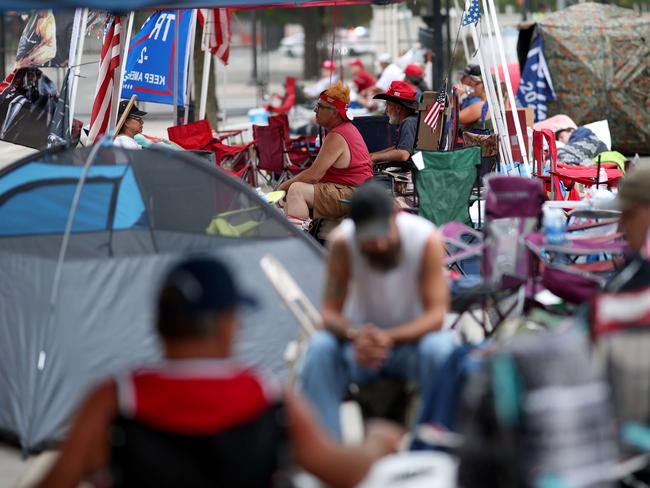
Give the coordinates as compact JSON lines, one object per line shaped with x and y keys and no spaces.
{"x":536,"y":86}
{"x":149,"y":70}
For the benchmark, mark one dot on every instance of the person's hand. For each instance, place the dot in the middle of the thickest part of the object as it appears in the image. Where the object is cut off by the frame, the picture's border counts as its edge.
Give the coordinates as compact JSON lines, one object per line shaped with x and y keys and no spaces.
{"x":284,"y":186}
{"x":372,"y":347}
{"x":384,"y":434}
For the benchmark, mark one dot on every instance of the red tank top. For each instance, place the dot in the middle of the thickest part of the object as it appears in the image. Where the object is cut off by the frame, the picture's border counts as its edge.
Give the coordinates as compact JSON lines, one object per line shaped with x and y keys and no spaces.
{"x":360,"y":168}
{"x":195,"y":397}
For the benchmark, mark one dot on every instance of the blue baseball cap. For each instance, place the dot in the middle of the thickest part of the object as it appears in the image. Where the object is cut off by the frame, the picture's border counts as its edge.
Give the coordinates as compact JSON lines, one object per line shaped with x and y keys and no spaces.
{"x":200,"y":284}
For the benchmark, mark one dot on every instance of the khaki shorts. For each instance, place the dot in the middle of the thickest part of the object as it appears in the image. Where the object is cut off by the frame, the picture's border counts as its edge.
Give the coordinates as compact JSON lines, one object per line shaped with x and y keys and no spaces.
{"x":327,"y":200}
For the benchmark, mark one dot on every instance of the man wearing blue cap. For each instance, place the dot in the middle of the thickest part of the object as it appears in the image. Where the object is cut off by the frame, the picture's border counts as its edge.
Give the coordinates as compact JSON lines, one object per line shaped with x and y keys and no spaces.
{"x":224,"y":424}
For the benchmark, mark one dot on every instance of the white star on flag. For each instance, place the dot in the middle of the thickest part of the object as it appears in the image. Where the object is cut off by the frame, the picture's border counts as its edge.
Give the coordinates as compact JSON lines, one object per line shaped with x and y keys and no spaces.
{"x":472,"y":15}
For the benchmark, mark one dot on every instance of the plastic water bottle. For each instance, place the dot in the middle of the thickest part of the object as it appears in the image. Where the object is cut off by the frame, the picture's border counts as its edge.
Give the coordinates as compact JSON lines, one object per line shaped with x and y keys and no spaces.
{"x":554,"y":226}
{"x":602,"y":177}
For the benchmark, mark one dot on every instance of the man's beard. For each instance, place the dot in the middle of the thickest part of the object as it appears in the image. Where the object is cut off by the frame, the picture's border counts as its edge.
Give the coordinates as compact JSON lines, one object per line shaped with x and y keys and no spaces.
{"x":386,"y":260}
{"x":393,"y":119}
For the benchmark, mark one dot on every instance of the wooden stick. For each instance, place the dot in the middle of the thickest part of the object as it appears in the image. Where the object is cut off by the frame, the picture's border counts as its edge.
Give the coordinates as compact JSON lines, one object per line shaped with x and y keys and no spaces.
{"x":124,"y":116}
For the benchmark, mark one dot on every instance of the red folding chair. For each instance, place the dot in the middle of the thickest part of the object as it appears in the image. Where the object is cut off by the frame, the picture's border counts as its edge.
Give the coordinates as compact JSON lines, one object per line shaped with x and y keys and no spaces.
{"x":287,"y":101}
{"x":273,"y":162}
{"x":297,"y":148}
{"x":235,"y":160}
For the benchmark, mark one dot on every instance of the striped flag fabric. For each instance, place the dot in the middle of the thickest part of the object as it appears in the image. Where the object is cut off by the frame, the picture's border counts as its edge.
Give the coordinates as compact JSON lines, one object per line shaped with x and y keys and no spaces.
{"x":433,"y":115}
{"x":109,"y":61}
{"x":216,"y":32}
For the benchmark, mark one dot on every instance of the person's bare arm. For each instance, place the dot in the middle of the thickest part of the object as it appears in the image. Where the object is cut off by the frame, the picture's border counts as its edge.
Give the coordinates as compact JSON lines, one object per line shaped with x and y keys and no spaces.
{"x":434,"y":293}
{"x":471,"y":114}
{"x":390,"y":154}
{"x":330,"y":152}
{"x":336,"y":289}
{"x":335,"y":464}
{"x":85,"y":450}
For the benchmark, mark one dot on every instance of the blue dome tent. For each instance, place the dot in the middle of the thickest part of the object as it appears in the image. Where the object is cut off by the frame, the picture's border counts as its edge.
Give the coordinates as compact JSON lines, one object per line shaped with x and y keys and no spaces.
{"x":76,"y":307}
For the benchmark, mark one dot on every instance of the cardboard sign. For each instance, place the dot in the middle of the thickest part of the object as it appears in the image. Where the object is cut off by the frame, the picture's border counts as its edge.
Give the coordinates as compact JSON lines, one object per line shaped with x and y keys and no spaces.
{"x":428,"y":139}
{"x":526,"y":119}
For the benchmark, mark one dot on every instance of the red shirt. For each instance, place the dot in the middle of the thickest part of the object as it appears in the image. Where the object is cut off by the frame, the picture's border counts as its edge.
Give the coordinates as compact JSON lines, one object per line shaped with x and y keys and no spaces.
{"x":363,"y":80}
{"x":195,"y":397}
{"x":360,"y":168}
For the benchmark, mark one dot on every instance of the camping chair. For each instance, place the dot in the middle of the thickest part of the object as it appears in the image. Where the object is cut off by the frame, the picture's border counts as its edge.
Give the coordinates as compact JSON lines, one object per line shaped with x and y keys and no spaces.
{"x":273,"y":162}
{"x":297,"y":149}
{"x":287,"y":101}
{"x":445,"y":184}
{"x":235,"y":160}
{"x":143,"y":455}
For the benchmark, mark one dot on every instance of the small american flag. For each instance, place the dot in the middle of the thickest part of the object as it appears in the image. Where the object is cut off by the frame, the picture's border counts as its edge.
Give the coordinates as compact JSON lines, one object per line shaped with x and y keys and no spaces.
{"x":109,"y":61}
{"x":216,"y":32}
{"x":473,"y":14}
{"x":432,"y":116}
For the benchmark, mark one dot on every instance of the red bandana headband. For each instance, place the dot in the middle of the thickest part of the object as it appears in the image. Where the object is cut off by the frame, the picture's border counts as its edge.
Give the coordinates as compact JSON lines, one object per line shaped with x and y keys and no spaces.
{"x":341,"y":107}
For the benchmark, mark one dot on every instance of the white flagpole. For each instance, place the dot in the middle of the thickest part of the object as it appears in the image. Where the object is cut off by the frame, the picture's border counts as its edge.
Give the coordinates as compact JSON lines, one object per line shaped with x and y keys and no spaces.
{"x":462,"y":33}
{"x":189,"y":66}
{"x":511,"y":96}
{"x":499,"y":125}
{"x":177,"y":18}
{"x":77,"y":64}
{"x":207,"y":60}
{"x":117,"y":86}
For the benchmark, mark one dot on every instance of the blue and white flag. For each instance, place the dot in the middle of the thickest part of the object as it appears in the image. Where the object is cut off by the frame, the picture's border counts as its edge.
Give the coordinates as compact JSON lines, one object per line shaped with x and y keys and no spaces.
{"x":536,"y":86}
{"x":149,"y":72}
{"x":473,"y":14}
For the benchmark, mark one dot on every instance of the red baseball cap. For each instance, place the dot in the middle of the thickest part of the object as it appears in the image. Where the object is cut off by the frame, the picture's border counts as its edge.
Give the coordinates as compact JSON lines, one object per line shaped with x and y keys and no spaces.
{"x":414,"y":71}
{"x":328,"y":64}
{"x":357,"y":62}
{"x":400,"y":92}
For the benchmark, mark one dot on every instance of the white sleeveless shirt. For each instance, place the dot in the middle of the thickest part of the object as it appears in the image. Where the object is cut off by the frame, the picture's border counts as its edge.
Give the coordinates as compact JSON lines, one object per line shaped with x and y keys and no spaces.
{"x":386,"y":299}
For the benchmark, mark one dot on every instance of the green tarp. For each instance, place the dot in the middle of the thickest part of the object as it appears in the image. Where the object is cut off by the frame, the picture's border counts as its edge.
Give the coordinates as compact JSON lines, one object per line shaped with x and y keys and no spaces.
{"x":445,"y":184}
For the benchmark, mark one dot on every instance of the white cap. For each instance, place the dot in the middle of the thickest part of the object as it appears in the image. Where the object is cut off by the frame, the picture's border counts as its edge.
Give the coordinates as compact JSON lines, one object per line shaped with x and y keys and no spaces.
{"x":384,"y":58}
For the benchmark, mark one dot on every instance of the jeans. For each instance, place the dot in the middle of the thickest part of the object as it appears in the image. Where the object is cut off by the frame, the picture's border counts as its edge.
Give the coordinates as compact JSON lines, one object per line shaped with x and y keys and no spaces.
{"x":328,"y":368}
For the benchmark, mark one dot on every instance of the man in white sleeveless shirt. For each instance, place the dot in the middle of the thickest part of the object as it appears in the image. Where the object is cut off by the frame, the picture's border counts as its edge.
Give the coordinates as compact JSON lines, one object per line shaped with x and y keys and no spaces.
{"x":385,"y":300}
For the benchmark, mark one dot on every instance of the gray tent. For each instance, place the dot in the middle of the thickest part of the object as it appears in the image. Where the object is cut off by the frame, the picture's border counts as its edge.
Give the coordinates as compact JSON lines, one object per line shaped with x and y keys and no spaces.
{"x":67,"y":321}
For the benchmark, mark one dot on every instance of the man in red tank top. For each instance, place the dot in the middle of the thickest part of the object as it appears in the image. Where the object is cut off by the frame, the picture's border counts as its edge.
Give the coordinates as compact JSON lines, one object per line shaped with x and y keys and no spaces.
{"x":343,"y":163}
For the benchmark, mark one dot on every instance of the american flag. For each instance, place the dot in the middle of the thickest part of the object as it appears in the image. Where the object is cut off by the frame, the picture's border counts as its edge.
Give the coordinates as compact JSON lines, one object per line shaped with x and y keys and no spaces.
{"x":109,"y":61}
{"x":433,"y":115}
{"x":473,"y":14}
{"x":216,"y":32}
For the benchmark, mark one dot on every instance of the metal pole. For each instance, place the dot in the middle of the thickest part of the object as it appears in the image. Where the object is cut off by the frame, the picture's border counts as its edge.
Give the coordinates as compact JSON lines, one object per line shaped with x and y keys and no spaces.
{"x":77,"y":67}
{"x":177,"y":20}
{"x":254,"y":51}
{"x":3,"y":46}
{"x":437,"y":48}
{"x":188,"y":73}
{"x":207,"y":60}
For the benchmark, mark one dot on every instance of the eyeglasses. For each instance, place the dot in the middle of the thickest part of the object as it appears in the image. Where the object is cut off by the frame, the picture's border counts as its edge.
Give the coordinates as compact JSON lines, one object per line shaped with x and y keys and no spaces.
{"x":318,"y":106}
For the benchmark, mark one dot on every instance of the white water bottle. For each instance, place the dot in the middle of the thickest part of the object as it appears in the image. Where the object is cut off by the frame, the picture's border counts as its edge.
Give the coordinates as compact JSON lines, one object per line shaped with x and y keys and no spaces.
{"x":602,"y":177}
{"x":554,"y":226}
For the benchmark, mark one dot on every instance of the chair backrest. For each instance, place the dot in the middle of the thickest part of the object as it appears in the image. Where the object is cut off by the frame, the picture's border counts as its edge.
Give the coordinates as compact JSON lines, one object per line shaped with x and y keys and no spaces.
{"x":269,"y":141}
{"x":377,"y":133}
{"x":195,"y":135}
{"x":513,"y":208}
{"x":251,"y":454}
{"x":445,"y":184}
{"x":282,"y":121}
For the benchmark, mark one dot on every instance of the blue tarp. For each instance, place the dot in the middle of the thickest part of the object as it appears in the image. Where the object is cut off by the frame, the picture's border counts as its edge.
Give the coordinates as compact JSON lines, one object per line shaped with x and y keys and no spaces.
{"x":36,"y":198}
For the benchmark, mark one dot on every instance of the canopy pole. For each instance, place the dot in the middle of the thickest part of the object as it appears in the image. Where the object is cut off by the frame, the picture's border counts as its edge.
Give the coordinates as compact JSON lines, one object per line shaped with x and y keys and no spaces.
{"x":511,"y":96}
{"x":117,"y":95}
{"x":77,"y":64}
{"x":177,"y":19}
